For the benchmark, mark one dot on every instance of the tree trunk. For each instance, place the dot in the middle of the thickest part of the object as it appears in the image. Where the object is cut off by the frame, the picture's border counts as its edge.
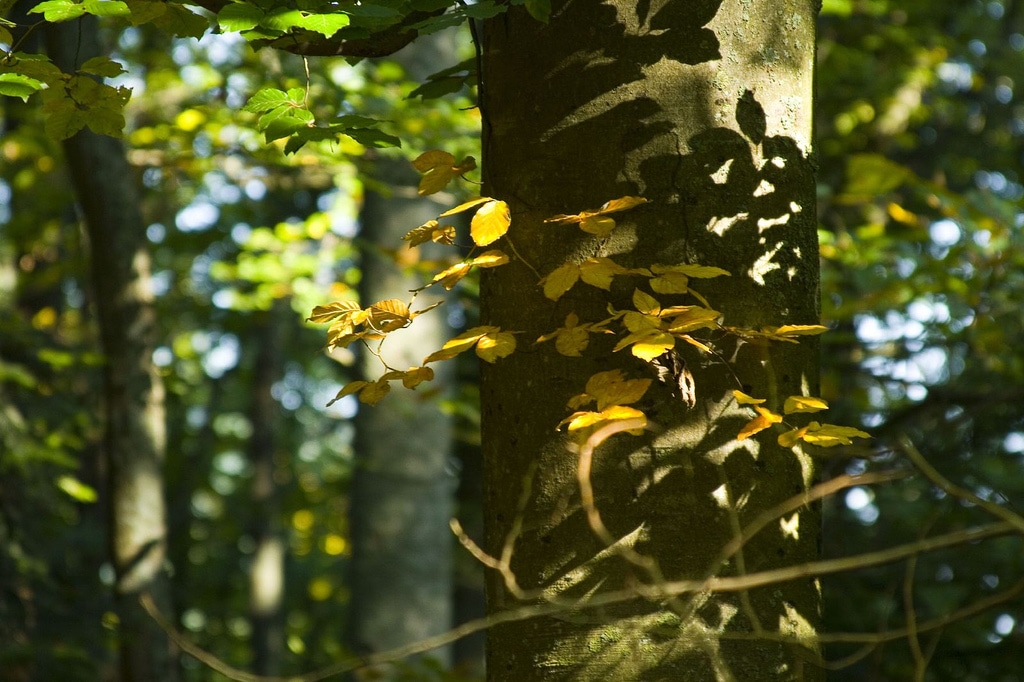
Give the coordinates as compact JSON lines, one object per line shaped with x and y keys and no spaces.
{"x":267,"y":579}
{"x":133,"y":393}
{"x":402,"y":489}
{"x":703,"y":108}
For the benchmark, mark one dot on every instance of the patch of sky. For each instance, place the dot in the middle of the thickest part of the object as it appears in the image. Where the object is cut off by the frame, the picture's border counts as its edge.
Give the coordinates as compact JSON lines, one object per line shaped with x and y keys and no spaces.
{"x":861,"y":501}
{"x":957,"y":75}
{"x":221,"y":189}
{"x":945,"y":233}
{"x":1014,"y":442}
{"x":200,"y":215}
{"x":223,"y":355}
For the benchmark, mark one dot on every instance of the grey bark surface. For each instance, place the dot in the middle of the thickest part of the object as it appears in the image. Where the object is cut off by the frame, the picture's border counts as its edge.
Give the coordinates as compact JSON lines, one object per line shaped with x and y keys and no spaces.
{"x":401,"y":573}
{"x":133,"y":398}
{"x":703,"y":108}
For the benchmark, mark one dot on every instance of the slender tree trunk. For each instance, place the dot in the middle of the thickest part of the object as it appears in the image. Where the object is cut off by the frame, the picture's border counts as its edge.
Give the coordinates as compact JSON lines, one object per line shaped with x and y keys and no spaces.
{"x":266,"y":580}
{"x":133,"y":394}
{"x":703,"y":108}
{"x":402,"y":489}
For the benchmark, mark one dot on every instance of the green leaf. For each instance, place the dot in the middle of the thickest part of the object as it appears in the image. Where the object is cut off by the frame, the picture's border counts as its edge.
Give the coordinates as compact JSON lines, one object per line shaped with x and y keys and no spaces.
{"x":283,"y":126}
{"x":539,"y":10}
{"x":63,"y":122}
{"x":182,"y":22}
{"x":324,"y":24}
{"x":18,"y":85}
{"x":265,"y":100}
{"x":371,"y":137}
{"x":370,"y":11}
{"x":76,"y":489}
{"x":485,"y":9}
{"x":58,"y":10}
{"x":283,"y":19}
{"x":106,"y":8}
{"x":239,"y":16}
{"x":145,"y":12}
{"x":102,"y":66}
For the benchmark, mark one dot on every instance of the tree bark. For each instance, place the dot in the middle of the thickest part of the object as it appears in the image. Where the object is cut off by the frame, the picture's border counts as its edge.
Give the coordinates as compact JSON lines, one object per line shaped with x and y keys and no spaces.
{"x":133,"y":393}
{"x":703,"y":108}
{"x":402,"y":489}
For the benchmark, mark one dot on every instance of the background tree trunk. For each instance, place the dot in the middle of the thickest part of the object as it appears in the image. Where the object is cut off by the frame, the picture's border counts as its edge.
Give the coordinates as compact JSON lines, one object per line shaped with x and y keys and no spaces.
{"x":267,"y":579}
{"x":402,"y":489}
{"x":704,"y":108}
{"x":133,"y":394}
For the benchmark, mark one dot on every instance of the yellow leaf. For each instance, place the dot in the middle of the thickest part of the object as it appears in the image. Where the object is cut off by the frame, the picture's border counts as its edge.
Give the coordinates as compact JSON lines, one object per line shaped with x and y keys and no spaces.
{"x":830,"y":435}
{"x":693,"y":317}
{"x":490,"y":223}
{"x":430,"y":231}
{"x":622,"y":204}
{"x":466,"y":206}
{"x":790,"y":438}
{"x":387,"y":316}
{"x":494,"y":345}
{"x":598,"y":272}
{"x":703,"y":347}
{"x":560,"y":280}
{"x":349,"y":388}
{"x":762,"y":421}
{"x":646,"y":303}
{"x":490,"y":259}
{"x":582,"y":420}
{"x":744,"y":399}
{"x":902,"y":215}
{"x":640,"y":322}
{"x":449,"y":277}
{"x":798,"y":329}
{"x":652,"y":345}
{"x":670,"y":283}
{"x":613,"y":388}
{"x":459,"y":344}
{"x":572,"y":341}
{"x":696,"y":271}
{"x":439,"y":168}
{"x":414,"y":376}
{"x":432,"y":159}
{"x":326,"y":313}
{"x":797,"y":403}
{"x":599,"y":225}
{"x":375,"y":392}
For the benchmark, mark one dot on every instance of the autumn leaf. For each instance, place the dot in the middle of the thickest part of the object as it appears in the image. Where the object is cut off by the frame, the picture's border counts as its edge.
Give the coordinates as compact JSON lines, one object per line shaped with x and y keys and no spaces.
{"x":414,"y":376}
{"x":430,"y":231}
{"x":490,"y":223}
{"x":645,"y":303}
{"x":613,"y":388}
{"x":583,"y":420}
{"x":373,"y":393}
{"x":830,"y":435}
{"x":466,"y":206}
{"x":495,"y":345}
{"x":682,"y":319}
{"x":439,"y":168}
{"x":389,"y":315}
{"x":647,"y":344}
{"x":560,"y":280}
{"x":459,"y":344}
{"x":571,"y":339}
{"x":326,"y":313}
{"x":599,"y":225}
{"x":796,"y":403}
{"x":744,"y":399}
{"x":597,"y":222}
{"x":598,"y":272}
{"x":348,"y":389}
{"x":764,"y":419}
{"x":452,"y":275}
